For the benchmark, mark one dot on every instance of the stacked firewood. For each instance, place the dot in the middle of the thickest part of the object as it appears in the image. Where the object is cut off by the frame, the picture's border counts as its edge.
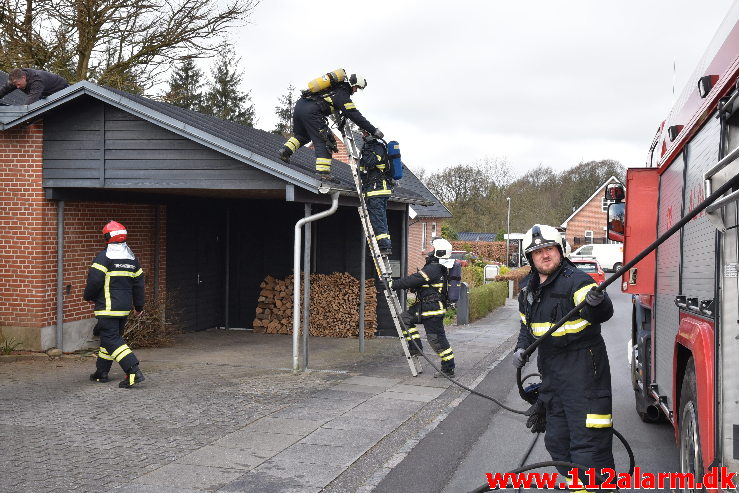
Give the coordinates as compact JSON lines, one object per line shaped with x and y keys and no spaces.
{"x":334,"y":306}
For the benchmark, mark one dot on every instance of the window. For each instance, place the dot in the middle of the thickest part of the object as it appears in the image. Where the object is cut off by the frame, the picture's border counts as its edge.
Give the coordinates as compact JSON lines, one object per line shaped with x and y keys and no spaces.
{"x":605,"y":203}
{"x":589,"y":236}
{"x":423,"y":236}
{"x":433,"y":230}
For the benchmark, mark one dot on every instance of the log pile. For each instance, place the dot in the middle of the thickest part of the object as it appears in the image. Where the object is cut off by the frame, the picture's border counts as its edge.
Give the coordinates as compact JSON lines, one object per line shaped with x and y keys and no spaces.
{"x":334,"y":306}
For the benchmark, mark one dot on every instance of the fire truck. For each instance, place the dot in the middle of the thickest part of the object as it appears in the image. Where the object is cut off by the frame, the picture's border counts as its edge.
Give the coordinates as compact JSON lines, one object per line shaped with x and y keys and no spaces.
{"x":684,"y":348}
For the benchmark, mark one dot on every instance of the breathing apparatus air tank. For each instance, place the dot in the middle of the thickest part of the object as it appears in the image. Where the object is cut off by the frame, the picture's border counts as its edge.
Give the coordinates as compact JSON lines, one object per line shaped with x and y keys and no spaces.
{"x":326,"y":81}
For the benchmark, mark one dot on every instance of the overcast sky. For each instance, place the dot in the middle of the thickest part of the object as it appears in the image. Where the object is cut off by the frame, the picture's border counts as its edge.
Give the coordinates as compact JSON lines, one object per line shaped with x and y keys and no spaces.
{"x":549,"y":82}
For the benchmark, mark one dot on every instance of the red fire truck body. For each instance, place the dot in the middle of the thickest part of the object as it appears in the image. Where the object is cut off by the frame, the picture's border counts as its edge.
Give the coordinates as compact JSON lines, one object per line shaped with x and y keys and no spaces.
{"x":684,"y":349}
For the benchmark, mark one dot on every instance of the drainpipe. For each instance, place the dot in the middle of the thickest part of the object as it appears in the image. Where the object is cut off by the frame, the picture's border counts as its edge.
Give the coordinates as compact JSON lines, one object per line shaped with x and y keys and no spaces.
{"x":362,"y":289}
{"x":60,"y":275}
{"x":306,"y":288}
{"x":296,"y":273}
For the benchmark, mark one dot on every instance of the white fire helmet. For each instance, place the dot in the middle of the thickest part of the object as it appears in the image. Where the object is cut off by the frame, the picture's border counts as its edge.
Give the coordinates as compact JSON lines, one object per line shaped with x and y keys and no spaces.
{"x":357,"y":80}
{"x":442,"y":248}
{"x":540,"y":236}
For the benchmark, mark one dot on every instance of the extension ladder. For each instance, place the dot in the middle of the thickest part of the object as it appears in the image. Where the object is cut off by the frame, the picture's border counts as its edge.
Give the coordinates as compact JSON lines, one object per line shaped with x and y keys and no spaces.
{"x":348,"y":132}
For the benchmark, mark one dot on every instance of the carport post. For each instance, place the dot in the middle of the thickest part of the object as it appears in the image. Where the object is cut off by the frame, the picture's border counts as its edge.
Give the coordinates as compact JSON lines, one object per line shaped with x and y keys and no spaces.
{"x":296,"y":274}
{"x":60,"y":275}
{"x":362,"y":290}
{"x":306,"y":287}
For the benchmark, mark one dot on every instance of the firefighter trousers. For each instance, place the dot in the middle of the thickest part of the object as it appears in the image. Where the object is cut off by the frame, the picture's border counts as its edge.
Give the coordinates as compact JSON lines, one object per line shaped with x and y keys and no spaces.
{"x":377,"y":211}
{"x":112,"y":345}
{"x":578,"y":404}
{"x":309,"y":125}
{"x":435,"y":335}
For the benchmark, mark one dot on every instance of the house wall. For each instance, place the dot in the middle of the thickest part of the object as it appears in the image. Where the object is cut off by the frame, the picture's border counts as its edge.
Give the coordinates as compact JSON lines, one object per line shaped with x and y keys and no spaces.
{"x":28,"y":247}
{"x":417,"y":247}
{"x":591,"y":217}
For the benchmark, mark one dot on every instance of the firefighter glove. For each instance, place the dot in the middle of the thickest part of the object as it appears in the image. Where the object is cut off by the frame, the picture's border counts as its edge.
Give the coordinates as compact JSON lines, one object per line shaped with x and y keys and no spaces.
{"x":537,"y":414}
{"x":378,"y":133}
{"x":518,"y":358}
{"x":594,"y":297}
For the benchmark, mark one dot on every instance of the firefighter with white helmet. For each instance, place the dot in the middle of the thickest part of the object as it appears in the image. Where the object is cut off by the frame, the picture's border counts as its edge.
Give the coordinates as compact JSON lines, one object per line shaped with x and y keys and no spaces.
{"x":429,"y":283}
{"x":115,"y":283}
{"x":574,"y":401}
{"x":310,"y":123}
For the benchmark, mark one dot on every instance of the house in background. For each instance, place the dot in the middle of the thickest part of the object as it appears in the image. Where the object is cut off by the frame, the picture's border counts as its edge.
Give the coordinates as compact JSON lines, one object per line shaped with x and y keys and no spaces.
{"x":587,"y":224}
{"x":468,"y":236}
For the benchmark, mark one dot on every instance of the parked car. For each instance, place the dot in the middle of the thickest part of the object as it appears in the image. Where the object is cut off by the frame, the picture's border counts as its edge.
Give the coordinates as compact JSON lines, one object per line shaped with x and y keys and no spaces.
{"x":610,"y":256}
{"x":591,"y":267}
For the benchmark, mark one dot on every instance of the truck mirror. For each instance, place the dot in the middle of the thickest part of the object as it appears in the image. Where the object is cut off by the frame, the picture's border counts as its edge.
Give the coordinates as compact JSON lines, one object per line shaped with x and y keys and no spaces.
{"x":616,"y":221}
{"x":615,"y":192}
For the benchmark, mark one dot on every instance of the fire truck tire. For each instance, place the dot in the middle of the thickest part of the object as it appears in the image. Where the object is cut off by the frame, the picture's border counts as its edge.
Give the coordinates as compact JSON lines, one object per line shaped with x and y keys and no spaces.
{"x":691,"y":460}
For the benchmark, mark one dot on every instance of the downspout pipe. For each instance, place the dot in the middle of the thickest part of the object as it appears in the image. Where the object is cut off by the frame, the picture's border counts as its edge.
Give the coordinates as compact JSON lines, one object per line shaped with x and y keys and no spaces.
{"x":60,"y":275}
{"x":296,"y":273}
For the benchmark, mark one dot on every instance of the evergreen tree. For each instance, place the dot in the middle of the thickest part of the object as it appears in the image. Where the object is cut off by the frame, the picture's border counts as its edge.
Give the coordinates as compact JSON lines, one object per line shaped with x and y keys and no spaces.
{"x":284,"y":112}
{"x":224,"y":100}
{"x":185,"y":86}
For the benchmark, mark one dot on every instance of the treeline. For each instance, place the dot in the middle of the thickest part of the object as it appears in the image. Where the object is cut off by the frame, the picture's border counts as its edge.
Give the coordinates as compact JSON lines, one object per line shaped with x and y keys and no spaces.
{"x":476,"y":193}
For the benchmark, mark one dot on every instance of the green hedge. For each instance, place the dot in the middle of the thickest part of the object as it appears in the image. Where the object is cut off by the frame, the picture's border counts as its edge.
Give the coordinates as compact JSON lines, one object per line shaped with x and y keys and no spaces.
{"x":486,"y":298}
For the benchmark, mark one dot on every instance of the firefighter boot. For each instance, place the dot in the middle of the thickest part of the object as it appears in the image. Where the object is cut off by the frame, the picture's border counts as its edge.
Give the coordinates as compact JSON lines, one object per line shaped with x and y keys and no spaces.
{"x":285,"y":154}
{"x":443,"y":373}
{"x":326,"y":177}
{"x":134,"y":377}
{"x":100,"y":376}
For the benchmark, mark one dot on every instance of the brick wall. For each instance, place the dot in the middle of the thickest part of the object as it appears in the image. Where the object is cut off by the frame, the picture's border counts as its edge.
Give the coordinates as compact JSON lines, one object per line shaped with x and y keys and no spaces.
{"x":591,"y":217}
{"x":27,"y":232}
{"x":417,"y":248}
{"x":28,"y":246}
{"x":83,"y":223}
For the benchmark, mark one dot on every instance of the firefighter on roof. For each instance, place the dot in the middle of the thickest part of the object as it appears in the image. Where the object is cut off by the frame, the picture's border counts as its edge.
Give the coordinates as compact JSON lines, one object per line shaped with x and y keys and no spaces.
{"x":115,"y":281}
{"x":377,"y":186}
{"x":310,"y":123}
{"x":574,"y":402}
{"x":430,"y":286}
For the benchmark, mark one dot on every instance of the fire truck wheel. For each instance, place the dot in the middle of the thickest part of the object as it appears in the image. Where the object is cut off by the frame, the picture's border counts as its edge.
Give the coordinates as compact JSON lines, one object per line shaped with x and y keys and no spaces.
{"x":691,"y":460}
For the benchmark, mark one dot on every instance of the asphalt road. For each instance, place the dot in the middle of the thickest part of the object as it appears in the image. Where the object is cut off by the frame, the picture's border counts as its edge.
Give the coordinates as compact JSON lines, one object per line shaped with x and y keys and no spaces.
{"x":479,"y":437}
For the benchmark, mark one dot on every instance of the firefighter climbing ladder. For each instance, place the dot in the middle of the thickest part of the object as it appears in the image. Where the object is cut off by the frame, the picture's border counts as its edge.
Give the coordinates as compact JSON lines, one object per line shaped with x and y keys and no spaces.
{"x":348,"y":132}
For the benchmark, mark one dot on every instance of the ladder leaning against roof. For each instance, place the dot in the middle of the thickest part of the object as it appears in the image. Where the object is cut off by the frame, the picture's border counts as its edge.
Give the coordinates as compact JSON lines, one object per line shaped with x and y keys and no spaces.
{"x":348,"y":131}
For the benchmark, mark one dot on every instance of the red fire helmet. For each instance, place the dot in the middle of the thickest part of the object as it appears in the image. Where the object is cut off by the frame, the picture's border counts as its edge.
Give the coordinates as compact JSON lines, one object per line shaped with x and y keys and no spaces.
{"x":114,"y":232}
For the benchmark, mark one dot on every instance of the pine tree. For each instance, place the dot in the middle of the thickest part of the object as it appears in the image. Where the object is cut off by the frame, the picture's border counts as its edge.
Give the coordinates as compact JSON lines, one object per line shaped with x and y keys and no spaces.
{"x":224,"y":100}
{"x":284,"y":112}
{"x":185,"y":86}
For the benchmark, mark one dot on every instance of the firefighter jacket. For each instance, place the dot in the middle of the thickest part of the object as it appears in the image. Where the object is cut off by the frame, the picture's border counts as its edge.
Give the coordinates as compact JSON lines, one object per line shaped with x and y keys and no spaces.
{"x":114,"y":281}
{"x":541,"y":306}
{"x":39,"y":84}
{"x":374,"y":169}
{"x":339,"y":100}
{"x":429,"y":284}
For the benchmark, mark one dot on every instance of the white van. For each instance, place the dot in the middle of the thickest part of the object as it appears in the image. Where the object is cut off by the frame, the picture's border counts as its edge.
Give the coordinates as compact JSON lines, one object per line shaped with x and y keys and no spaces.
{"x":609,"y":256}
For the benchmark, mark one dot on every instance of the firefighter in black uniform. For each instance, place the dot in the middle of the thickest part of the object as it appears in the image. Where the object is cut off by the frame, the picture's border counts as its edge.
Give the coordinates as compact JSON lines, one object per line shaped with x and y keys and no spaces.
{"x":36,"y":84}
{"x":377,"y":186}
{"x":310,"y":124}
{"x":430,"y":286}
{"x":574,"y":402}
{"x":114,"y":280}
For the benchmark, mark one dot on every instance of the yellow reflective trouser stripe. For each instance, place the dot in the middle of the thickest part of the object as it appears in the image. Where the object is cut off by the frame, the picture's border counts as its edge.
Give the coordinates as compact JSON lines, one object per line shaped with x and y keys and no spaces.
{"x":350,"y":106}
{"x":103,"y":354}
{"x":411,"y":334}
{"x":293,"y":144}
{"x":121,"y":352}
{"x":99,"y":267}
{"x":582,"y":292}
{"x":383,"y":191}
{"x":323,"y":164}
{"x":424,"y":275}
{"x":523,"y":317}
{"x":382,"y":236}
{"x":598,"y":421}
{"x":113,"y":313}
{"x":570,"y":327}
{"x":446,"y":355}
